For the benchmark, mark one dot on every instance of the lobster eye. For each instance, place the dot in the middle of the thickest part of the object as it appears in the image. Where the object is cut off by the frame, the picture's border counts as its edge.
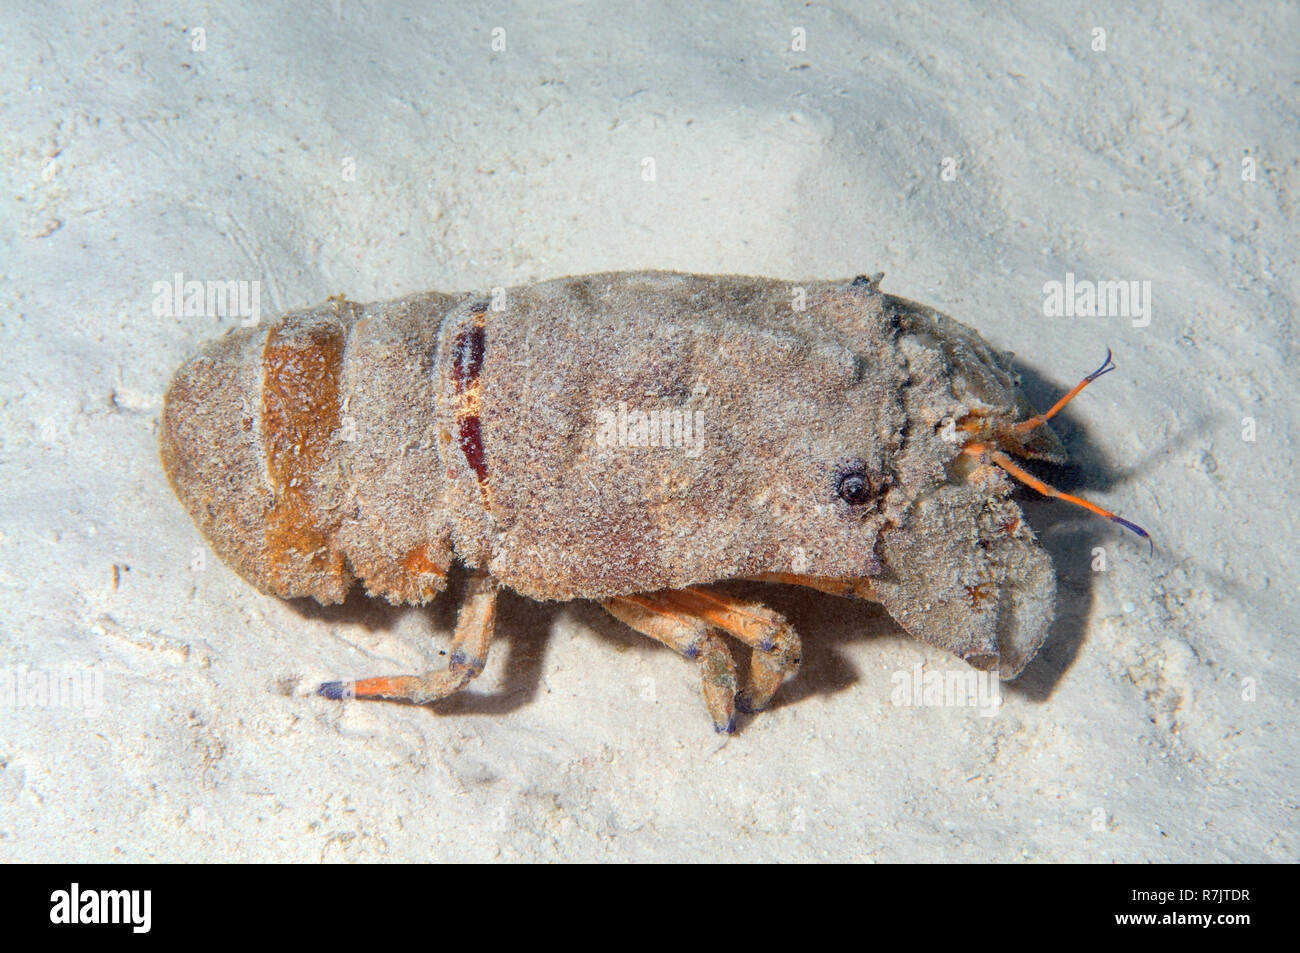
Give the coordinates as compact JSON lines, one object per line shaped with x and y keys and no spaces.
{"x":854,"y":488}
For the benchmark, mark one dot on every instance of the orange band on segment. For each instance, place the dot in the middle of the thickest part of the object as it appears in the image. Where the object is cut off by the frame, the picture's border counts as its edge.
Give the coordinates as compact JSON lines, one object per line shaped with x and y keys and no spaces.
{"x":417,"y":562}
{"x":300,"y":412}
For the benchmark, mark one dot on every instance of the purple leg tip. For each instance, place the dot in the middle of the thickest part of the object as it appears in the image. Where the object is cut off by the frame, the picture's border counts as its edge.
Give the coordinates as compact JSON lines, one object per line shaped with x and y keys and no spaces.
{"x":334,"y":691}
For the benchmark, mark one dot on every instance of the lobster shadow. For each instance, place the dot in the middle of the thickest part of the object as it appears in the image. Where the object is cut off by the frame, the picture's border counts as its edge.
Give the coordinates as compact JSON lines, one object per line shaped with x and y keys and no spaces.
{"x":1071,"y":536}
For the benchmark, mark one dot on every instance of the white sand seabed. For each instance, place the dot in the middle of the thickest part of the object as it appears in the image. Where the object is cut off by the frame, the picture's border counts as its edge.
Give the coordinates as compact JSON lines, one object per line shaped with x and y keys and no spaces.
{"x":1159,"y":723}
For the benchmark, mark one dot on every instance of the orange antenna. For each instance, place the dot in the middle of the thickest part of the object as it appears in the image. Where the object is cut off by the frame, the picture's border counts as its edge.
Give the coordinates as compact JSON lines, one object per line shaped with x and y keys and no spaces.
{"x":1012,"y":435}
{"x":1030,"y":423}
